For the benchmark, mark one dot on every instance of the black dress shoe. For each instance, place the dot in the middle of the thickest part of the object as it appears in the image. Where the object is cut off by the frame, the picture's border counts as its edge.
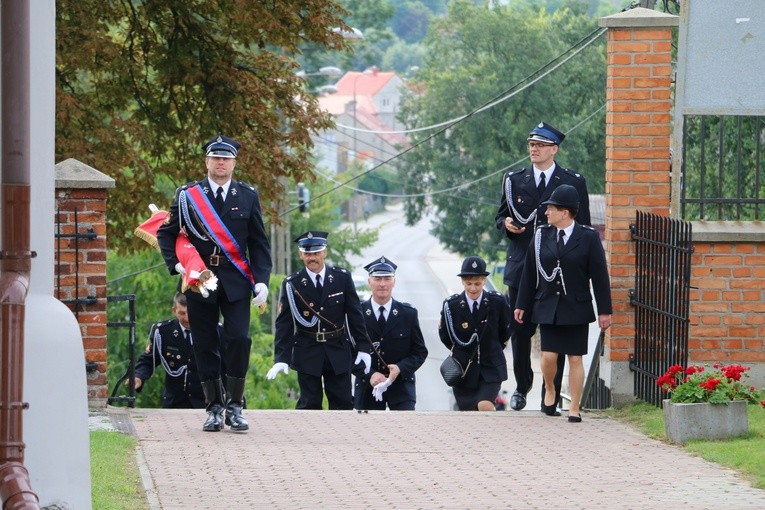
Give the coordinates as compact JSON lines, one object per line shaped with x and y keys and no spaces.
{"x":517,"y":401}
{"x":550,"y":410}
{"x":575,"y":418}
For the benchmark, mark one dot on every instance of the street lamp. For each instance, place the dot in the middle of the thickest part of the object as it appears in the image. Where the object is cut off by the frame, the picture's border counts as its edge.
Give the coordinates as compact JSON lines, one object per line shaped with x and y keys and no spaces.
{"x":329,"y":71}
{"x":353,"y":33}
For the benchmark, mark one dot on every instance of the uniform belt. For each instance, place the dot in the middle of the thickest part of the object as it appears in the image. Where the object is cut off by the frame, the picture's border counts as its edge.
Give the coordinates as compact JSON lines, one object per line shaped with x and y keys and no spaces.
{"x":323,"y":336}
{"x":216,"y":260}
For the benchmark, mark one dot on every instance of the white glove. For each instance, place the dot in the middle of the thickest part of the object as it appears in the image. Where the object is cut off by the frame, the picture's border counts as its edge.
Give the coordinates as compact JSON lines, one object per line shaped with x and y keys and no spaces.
{"x":261,"y":294}
{"x":278,"y":367}
{"x":366,"y":358}
{"x":378,"y":390}
{"x":179,"y":268}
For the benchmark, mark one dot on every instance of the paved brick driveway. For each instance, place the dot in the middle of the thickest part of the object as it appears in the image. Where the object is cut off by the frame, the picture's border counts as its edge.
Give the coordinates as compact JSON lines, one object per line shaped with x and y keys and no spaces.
{"x":328,"y":460}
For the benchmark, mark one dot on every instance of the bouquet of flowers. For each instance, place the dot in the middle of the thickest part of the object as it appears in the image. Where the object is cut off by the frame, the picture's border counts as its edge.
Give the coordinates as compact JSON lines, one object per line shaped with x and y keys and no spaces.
{"x":718,"y":385}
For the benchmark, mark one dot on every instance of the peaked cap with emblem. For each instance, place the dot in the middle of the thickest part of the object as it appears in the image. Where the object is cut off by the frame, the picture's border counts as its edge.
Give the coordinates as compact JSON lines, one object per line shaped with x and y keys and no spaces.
{"x":312,"y":241}
{"x":545,"y":133}
{"x":381,"y":267}
{"x":221,"y":147}
{"x":473,"y":266}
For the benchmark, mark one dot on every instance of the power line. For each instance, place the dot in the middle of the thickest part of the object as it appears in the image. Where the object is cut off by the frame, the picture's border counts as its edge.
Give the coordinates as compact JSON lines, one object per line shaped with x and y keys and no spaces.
{"x":504,"y":96}
{"x":584,"y":42}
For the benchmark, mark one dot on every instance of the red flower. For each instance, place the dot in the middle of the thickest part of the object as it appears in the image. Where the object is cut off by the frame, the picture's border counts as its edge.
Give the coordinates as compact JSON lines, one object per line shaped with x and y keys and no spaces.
{"x":762,"y":403}
{"x":710,"y":384}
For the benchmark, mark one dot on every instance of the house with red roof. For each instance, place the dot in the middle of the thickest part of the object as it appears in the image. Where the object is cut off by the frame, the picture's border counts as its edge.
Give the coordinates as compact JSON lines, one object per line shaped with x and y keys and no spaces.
{"x":364,"y":107}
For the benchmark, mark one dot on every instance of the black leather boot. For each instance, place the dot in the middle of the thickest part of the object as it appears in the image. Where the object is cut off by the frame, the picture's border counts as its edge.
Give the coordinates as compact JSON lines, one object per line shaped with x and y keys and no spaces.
{"x":234,"y":404}
{"x":213,"y":391}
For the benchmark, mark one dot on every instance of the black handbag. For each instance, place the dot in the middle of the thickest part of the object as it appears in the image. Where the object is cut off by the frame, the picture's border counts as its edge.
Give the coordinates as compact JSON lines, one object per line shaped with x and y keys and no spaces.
{"x":451,"y":371}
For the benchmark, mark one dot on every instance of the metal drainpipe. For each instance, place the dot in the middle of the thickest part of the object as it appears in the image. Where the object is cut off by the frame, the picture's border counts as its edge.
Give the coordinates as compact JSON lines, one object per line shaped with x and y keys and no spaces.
{"x":15,"y":257}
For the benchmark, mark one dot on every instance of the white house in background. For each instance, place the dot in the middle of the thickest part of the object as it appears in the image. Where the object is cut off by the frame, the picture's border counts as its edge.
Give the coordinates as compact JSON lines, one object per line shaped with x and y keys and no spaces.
{"x":367,"y":101}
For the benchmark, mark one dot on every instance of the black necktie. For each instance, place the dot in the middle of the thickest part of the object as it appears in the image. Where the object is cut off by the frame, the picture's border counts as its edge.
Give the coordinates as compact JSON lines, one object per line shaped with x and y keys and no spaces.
{"x":318,"y":283}
{"x":475,"y":308}
{"x":219,"y":199}
{"x":542,"y":184}
{"x":187,"y":332}
{"x":381,"y":318}
{"x":561,"y":244}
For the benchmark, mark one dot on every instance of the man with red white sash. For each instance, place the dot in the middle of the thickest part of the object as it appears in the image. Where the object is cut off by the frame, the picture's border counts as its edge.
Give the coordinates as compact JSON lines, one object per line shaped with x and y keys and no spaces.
{"x":222,"y":219}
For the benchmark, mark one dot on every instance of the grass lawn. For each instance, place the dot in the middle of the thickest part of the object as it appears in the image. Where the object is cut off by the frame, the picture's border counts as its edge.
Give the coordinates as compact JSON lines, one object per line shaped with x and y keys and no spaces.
{"x":746,"y":455}
{"x":116,"y":482}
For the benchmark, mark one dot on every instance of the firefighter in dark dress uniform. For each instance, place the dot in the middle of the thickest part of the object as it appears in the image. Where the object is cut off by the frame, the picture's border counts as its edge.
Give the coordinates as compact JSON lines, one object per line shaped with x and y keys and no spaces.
{"x":563,"y":261}
{"x":397,"y":341}
{"x":520,"y":212}
{"x":170,"y":345}
{"x":475,"y":327}
{"x":320,"y":331}
{"x":222,"y":219}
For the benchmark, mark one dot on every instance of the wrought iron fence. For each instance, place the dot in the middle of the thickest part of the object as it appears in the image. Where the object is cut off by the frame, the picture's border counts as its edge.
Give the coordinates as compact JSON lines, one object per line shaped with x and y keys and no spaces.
{"x":661,"y":298}
{"x":722,"y":168}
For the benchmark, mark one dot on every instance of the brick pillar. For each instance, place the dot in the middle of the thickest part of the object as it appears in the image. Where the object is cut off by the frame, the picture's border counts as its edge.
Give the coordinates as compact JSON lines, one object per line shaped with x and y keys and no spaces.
{"x":638,"y":91}
{"x":80,"y":263}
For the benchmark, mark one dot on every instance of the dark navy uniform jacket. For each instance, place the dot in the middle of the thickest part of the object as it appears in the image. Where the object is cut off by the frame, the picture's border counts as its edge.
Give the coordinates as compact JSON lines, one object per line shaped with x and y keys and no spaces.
{"x":566,"y":300}
{"x":493,"y":327}
{"x":183,"y":390}
{"x":242,"y":216}
{"x":400,"y":343}
{"x":526,"y":199}
{"x":303,"y":347}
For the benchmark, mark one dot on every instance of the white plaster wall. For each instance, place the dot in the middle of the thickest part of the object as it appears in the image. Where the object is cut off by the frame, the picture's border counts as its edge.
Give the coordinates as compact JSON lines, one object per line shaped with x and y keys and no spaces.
{"x":57,"y":451}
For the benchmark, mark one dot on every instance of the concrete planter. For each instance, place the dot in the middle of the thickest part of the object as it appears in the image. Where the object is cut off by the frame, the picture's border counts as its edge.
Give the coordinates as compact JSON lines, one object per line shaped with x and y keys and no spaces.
{"x":683,"y":422}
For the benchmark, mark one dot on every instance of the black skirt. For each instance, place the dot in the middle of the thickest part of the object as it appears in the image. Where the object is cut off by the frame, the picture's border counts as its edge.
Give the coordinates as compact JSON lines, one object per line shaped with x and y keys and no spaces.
{"x":570,"y":339}
{"x":468,"y":398}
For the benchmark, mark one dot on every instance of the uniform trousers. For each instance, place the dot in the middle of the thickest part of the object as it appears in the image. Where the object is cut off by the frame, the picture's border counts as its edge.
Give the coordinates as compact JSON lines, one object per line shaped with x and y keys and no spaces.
{"x":337,"y":388}
{"x":204,"y":316}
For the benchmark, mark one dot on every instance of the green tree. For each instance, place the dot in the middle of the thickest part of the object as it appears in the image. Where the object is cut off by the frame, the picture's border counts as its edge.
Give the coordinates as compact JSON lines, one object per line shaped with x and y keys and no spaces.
{"x":474,"y":55}
{"x":140,"y":85}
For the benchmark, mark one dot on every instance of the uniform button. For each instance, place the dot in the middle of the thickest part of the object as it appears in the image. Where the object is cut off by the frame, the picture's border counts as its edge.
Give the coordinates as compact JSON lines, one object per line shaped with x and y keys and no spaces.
{"x":558,"y":293}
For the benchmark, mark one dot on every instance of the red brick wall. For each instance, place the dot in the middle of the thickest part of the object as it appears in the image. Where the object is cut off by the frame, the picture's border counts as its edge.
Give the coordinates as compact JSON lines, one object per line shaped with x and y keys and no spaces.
{"x":727,"y":319}
{"x":637,"y":157}
{"x":90,"y":205}
{"x":728,"y":300}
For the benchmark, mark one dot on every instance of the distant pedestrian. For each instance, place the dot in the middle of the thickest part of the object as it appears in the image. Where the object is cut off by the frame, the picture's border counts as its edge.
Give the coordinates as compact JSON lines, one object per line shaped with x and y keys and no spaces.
{"x":475,"y":327}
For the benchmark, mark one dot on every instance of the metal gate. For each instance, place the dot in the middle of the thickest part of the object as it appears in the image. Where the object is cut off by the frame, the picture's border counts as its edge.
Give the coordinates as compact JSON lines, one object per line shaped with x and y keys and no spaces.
{"x":661,"y":298}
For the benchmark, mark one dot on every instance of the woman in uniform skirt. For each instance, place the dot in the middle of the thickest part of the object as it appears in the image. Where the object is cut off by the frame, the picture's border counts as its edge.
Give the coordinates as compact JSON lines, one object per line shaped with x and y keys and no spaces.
{"x":562,"y":260}
{"x":475,"y":327}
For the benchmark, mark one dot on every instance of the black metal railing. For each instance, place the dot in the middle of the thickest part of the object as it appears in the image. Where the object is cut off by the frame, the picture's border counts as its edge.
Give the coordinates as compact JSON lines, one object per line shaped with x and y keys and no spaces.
{"x":596,"y":395}
{"x":129,"y":324}
{"x":661,"y":298}
{"x":722,"y":168}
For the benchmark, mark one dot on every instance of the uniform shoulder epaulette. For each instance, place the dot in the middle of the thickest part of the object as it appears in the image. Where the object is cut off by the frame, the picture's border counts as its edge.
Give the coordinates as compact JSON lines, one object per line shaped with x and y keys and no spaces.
{"x":163,"y":323}
{"x":404,"y":304}
{"x":544,"y":225}
{"x":338,"y":269}
{"x":573,"y":173}
{"x":453,"y":297}
{"x":244,"y":185}
{"x":588,"y":227}
{"x":189,"y":184}
{"x":494,"y":293}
